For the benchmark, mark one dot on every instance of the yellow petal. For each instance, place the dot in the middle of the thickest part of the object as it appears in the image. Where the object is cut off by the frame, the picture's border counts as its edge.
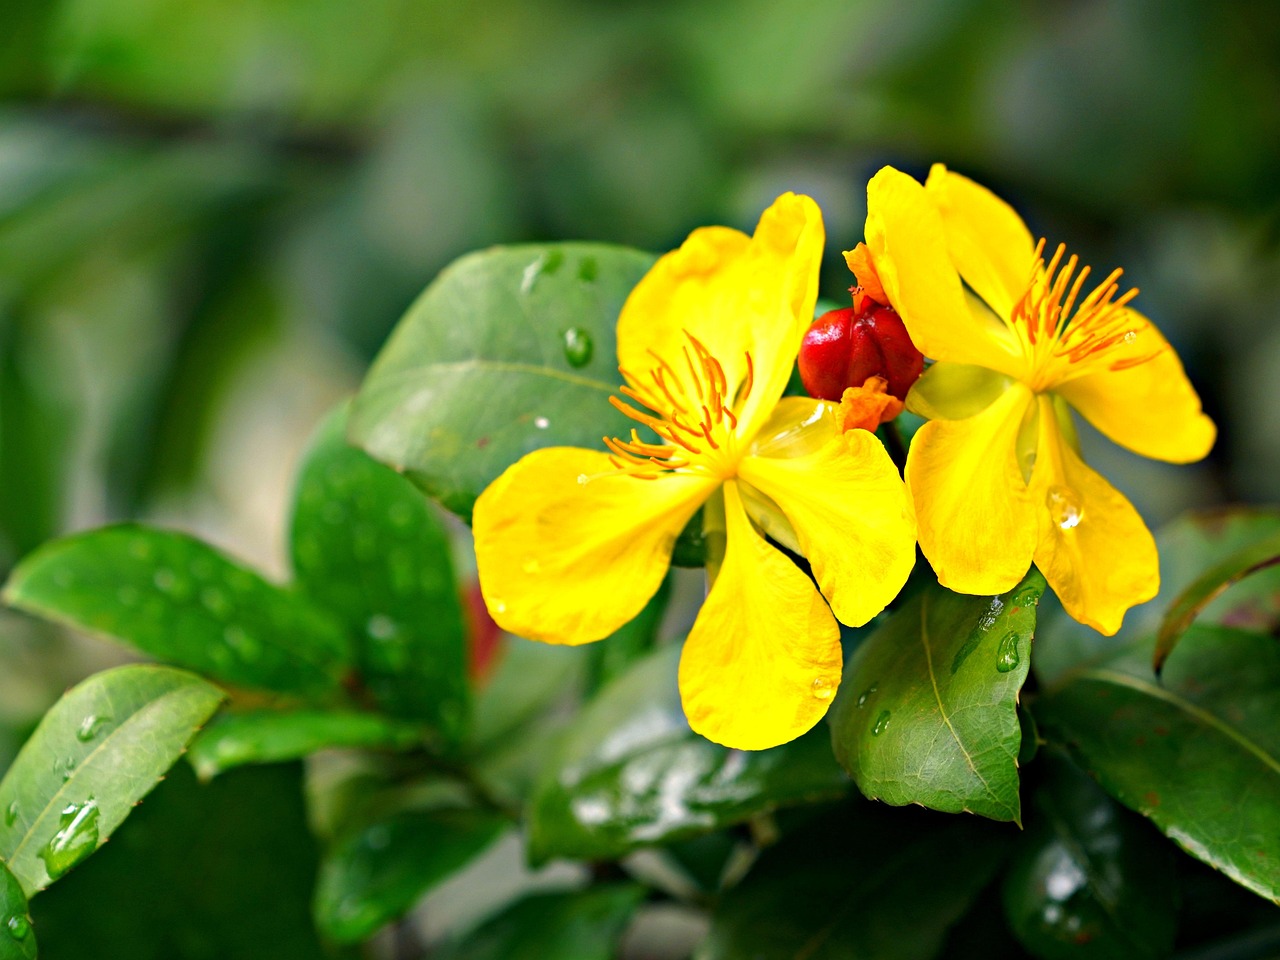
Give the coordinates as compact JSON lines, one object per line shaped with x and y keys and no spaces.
{"x":1150,"y":408}
{"x":908,"y":247}
{"x":1094,"y":549}
{"x":566,"y":561}
{"x":737,"y":295}
{"x":763,"y":660}
{"x":850,"y":511}
{"x":797,"y":425}
{"x":987,"y":240}
{"x":976,"y":521}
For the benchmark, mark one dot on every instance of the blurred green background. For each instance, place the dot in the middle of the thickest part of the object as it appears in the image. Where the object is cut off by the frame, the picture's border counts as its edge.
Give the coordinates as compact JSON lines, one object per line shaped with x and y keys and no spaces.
{"x":213,"y":211}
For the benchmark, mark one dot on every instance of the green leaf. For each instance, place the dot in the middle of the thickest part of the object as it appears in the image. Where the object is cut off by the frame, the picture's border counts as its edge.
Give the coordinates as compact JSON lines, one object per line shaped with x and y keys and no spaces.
{"x":1207,"y":587}
{"x":508,"y":350}
{"x":376,"y":873}
{"x":1197,"y":752}
{"x":860,"y":883}
{"x":97,"y":752}
{"x":179,"y":600}
{"x":270,"y":736}
{"x":630,"y":773}
{"x":367,"y":546}
{"x":555,"y":926}
{"x":927,"y":710}
{"x":199,"y":871}
{"x":1088,"y":878}
{"x":17,"y":940}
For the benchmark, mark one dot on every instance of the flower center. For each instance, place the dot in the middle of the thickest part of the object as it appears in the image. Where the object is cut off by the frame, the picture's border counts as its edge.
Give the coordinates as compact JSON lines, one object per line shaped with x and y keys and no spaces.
{"x":1060,"y":329}
{"x":689,"y":406}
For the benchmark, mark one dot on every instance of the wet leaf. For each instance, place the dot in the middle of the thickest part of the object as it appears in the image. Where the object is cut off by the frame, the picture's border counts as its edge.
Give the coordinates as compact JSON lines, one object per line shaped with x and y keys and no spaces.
{"x":582,"y":925}
{"x":17,"y":939}
{"x":630,"y":773}
{"x":1207,"y":587}
{"x":368,"y":546}
{"x":927,"y":709}
{"x":1197,"y":751}
{"x":860,"y":883}
{"x":270,"y":736}
{"x":508,"y":350}
{"x":1088,"y":878}
{"x":179,"y":600}
{"x":97,"y":752}
{"x":377,"y":872}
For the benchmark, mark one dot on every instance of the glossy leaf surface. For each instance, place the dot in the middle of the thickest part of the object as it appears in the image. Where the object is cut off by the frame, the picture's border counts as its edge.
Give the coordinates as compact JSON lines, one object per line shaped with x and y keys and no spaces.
{"x":97,"y":752}
{"x":1089,"y":879}
{"x":368,"y":546}
{"x":508,"y":350}
{"x":17,"y":939}
{"x":582,"y":925}
{"x":631,"y":773}
{"x":270,"y":736}
{"x":179,"y":600}
{"x":927,"y":710}
{"x":858,"y":884}
{"x":1197,"y":752}
{"x":377,"y":873}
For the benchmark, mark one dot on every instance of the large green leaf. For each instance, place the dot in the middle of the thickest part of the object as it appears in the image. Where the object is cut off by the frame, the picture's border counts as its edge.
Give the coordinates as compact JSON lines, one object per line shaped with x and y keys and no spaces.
{"x":97,"y":752}
{"x":270,"y":736}
{"x":631,"y":773}
{"x":1088,"y":878}
{"x":859,"y":883}
{"x":180,"y":600}
{"x":555,"y":926}
{"x":1198,"y":751}
{"x":200,"y":871}
{"x":368,"y":546}
{"x":376,"y":873}
{"x":927,"y":710}
{"x":508,"y":350}
{"x":17,"y":941}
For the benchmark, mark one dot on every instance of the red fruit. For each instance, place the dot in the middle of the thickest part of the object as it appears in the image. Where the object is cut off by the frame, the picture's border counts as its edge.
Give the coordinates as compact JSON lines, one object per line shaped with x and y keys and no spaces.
{"x":845,"y":347}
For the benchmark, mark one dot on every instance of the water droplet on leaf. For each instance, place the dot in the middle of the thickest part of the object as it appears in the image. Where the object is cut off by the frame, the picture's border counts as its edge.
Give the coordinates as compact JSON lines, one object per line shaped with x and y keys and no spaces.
{"x":542,"y":423}
{"x":1007,"y":653}
{"x":1064,"y":507}
{"x":588,"y":269}
{"x":11,"y":814}
{"x":19,"y":927}
{"x":77,"y":837}
{"x":578,"y":347}
{"x":882,"y":721}
{"x":381,"y":627}
{"x":822,"y":688}
{"x":238,"y":640}
{"x":865,"y":695}
{"x":90,"y":726}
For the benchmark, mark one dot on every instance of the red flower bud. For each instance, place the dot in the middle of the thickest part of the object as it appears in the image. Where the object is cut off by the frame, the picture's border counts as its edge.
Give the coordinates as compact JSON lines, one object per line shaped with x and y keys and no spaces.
{"x":845,"y":347}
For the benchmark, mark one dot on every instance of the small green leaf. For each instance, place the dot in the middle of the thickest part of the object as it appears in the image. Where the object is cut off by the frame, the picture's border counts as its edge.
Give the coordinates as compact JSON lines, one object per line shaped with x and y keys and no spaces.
{"x":630,"y":773}
{"x":582,"y":925}
{"x":97,"y":752}
{"x":17,"y":939}
{"x":927,"y":710}
{"x":376,"y":873}
{"x":270,"y":736}
{"x":1197,"y":751}
{"x":856,"y":884}
{"x":508,"y":350}
{"x":179,"y":600}
{"x":1088,"y":878}
{"x":1207,"y":587}
{"x":368,"y":547}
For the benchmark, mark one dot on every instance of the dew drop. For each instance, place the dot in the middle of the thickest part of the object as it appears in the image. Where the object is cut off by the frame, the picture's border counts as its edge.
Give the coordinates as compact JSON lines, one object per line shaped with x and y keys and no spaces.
{"x":11,"y":814}
{"x":76,"y":838}
{"x":239,"y":640}
{"x":90,"y":727}
{"x":498,"y":606}
{"x":583,"y":479}
{"x":1064,"y":507}
{"x":588,"y":269}
{"x":381,"y":627}
{"x":865,"y":695}
{"x":68,"y":768}
{"x":578,"y":347}
{"x":882,"y":721}
{"x":1007,"y":653}
{"x":542,"y":423}
{"x":19,"y":927}
{"x":1130,"y":336}
{"x":822,"y":688}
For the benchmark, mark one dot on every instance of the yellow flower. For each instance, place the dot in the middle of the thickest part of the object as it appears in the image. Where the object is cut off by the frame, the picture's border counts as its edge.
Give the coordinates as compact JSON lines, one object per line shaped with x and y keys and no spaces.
{"x":996,"y":475}
{"x":572,"y":543}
